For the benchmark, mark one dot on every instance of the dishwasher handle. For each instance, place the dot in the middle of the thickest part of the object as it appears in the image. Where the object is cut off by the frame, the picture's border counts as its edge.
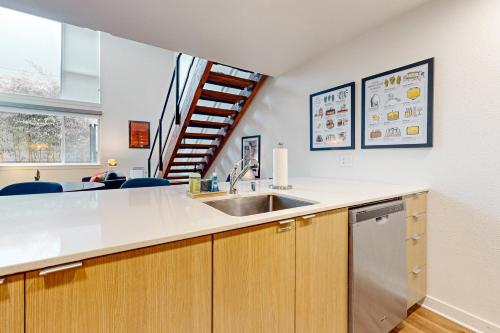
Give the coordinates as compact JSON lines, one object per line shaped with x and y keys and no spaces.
{"x":382,"y":219}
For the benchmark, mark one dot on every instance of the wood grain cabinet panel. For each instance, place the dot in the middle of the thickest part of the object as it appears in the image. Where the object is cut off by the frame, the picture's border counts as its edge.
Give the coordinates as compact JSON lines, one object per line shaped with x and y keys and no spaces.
{"x":254,"y":280}
{"x":165,"y":288}
{"x":416,"y":246}
{"x":12,"y":304}
{"x":416,"y":253}
{"x":417,"y":286}
{"x":416,"y":204}
{"x":416,"y":225}
{"x":322,"y":269}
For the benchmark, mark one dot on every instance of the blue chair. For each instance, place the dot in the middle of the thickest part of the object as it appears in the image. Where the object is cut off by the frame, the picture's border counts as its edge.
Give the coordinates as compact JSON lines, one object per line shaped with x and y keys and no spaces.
{"x":31,"y":188}
{"x":145,"y":182}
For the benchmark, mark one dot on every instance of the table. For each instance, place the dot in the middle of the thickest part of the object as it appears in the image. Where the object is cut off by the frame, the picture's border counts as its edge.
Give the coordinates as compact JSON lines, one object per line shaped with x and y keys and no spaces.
{"x":80,"y":186}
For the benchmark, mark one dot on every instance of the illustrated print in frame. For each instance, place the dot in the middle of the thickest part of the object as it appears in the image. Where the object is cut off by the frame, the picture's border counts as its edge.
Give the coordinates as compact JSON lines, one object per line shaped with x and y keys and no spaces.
{"x":397,"y":107}
{"x":331,"y":118}
{"x":250,"y":149}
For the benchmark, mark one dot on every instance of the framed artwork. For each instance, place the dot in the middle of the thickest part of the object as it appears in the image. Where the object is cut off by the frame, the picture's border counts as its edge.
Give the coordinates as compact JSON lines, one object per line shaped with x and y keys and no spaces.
{"x":331,"y":118}
{"x":250,"y":149}
{"x":138,"y":134}
{"x":397,"y":107}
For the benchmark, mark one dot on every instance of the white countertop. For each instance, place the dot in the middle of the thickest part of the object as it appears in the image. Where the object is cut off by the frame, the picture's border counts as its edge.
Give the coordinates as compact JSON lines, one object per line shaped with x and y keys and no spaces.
{"x":38,"y":231}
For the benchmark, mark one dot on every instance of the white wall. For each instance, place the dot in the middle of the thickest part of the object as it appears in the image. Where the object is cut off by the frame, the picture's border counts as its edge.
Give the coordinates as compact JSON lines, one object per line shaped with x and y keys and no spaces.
{"x":134,"y":82}
{"x":463,"y":167}
{"x":135,"y":79}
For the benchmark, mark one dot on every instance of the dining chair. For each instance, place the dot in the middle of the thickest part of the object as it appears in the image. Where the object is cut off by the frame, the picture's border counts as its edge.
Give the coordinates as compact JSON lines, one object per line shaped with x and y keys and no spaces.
{"x":31,"y":188}
{"x":145,"y":182}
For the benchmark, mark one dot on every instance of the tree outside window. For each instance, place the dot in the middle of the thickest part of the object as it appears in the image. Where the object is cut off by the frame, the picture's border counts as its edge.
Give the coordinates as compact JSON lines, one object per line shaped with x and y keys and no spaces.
{"x":43,"y":138}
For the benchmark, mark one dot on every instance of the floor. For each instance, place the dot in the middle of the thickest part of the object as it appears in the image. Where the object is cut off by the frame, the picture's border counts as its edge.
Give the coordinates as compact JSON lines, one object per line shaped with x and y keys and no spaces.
{"x":421,"y":320}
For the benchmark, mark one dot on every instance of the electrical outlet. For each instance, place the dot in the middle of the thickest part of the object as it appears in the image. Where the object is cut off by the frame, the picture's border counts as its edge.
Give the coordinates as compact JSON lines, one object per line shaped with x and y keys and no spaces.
{"x":345,"y":160}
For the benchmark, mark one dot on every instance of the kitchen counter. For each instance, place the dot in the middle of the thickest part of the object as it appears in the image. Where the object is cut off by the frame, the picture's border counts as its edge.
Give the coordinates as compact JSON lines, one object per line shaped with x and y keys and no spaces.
{"x":50,"y":229}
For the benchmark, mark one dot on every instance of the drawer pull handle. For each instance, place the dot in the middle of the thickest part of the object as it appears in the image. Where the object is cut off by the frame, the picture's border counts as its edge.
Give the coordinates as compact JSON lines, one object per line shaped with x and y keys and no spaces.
{"x":417,"y":216}
{"x":416,"y":238}
{"x":287,"y":221}
{"x":308,"y":217}
{"x":416,"y":271}
{"x":284,"y":229}
{"x":2,"y":280}
{"x":60,"y":268}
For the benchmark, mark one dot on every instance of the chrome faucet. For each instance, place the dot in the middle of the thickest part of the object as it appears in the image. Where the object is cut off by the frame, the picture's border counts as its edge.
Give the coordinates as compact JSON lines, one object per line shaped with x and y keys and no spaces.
{"x":235,"y":177}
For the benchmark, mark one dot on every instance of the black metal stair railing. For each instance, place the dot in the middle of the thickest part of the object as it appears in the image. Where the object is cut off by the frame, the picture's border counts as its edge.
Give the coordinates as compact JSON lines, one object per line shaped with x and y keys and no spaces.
{"x":162,"y":144}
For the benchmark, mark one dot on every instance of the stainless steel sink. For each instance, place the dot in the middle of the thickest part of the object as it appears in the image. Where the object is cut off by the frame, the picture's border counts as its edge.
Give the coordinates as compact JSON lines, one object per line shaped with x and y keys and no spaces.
{"x":244,"y":206}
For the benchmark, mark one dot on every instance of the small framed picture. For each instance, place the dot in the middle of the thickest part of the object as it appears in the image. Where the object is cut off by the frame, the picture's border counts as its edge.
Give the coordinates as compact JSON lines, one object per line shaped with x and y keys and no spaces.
{"x":331,"y":118}
{"x":250,"y":149}
{"x":397,"y":107}
{"x":138,"y":134}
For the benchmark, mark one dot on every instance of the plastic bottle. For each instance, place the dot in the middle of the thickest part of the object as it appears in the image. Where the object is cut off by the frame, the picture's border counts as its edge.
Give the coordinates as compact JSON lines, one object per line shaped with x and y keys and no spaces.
{"x":195,"y":183}
{"x":215,"y":186}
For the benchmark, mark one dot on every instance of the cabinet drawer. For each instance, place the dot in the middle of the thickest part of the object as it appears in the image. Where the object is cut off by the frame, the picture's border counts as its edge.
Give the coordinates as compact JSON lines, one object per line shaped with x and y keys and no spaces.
{"x":416,"y":203}
{"x":416,"y":225}
{"x":416,"y":252}
{"x":417,"y":286}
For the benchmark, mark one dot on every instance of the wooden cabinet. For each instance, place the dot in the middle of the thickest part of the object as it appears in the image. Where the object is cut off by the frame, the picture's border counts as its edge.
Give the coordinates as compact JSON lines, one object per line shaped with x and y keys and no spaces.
{"x":254,"y":279}
{"x":288,"y":277}
{"x":12,"y":304}
{"x":416,"y":246}
{"x":165,"y":288}
{"x":416,"y":225}
{"x":417,"y":286}
{"x":416,"y":203}
{"x":321,"y":272}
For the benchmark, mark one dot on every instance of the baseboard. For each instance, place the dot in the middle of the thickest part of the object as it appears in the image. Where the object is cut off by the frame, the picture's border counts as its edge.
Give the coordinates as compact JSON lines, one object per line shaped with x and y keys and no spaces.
{"x":460,"y":316}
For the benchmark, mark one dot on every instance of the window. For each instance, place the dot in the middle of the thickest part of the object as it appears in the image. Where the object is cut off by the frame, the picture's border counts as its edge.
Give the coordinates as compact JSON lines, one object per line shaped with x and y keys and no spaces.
{"x":47,"y":59}
{"x":37,"y":137}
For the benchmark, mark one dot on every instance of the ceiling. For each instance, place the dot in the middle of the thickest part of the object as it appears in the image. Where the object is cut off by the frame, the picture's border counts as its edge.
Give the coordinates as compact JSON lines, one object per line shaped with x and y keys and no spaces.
{"x":268,"y":36}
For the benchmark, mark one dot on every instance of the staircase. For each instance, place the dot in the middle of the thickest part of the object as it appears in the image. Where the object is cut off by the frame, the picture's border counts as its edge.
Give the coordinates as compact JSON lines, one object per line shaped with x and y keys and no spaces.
{"x":213,"y":99}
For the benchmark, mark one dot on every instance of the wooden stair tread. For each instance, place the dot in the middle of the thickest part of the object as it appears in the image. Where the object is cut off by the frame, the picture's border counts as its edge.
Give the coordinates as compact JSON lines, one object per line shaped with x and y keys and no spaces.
{"x":188,"y":163}
{"x":181,"y":171}
{"x":229,"y":81}
{"x":206,"y":136}
{"x":196,"y":146}
{"x":188,"y":155}
{"x":207,"y":124}
{"x":219,"y":96}
{"x":208,"y":111}
{"x":177,"y":177}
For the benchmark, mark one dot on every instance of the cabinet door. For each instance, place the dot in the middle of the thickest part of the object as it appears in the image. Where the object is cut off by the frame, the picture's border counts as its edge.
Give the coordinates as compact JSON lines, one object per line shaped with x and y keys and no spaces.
{"x":254,"y":279}
{"x":12,"y":304}
{"x":322,"y":270}
{"x":165,"y":288}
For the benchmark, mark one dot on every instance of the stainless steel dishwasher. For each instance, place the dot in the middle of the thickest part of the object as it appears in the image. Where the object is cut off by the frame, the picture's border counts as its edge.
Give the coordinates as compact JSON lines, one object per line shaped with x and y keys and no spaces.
{"x":377,"y":267}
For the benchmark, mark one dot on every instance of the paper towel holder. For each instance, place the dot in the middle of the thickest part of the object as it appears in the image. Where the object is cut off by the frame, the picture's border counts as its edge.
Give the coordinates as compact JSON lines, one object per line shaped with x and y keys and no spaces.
{"x":277,"y":187}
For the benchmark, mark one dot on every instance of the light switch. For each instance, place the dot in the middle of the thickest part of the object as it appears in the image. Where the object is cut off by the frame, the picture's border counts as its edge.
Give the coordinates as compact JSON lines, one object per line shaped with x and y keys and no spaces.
{"x":345,"y":160}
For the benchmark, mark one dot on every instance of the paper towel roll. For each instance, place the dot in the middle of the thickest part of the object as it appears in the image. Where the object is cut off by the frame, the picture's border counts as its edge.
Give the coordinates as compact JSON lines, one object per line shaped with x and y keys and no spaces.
{"x":280,"y":166}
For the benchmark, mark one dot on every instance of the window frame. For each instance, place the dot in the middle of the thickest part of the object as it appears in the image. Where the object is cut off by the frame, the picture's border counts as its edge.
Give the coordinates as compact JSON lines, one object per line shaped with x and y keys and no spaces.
{"x":38,"y":102}
{"x":77,"y":113}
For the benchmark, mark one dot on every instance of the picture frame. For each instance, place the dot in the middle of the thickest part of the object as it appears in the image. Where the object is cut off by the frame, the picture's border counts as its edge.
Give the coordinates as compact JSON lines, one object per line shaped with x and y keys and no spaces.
{"x":139,"y":134}
{"x":250,"y":148}
{"x":332,"y":118}
{"x":397,"y":107}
